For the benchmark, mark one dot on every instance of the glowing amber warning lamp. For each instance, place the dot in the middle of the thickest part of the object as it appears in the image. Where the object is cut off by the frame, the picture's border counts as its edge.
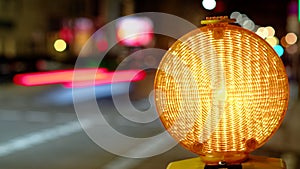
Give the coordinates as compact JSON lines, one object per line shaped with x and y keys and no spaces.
{"x":222,"y":92}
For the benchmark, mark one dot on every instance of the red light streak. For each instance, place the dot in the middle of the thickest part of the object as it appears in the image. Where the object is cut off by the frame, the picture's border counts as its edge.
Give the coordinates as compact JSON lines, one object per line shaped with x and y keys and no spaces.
{"x":78,"y":77}
{"x":110,"y":77}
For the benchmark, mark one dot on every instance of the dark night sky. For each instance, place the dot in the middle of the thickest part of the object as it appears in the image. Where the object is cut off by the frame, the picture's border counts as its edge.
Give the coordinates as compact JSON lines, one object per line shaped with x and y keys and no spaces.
{"x":262,"y":12}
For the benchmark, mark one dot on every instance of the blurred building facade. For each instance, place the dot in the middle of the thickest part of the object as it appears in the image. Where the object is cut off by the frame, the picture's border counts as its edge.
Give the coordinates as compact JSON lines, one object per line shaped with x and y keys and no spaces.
{"x":25,"y":25}
{"x":29,"y":28}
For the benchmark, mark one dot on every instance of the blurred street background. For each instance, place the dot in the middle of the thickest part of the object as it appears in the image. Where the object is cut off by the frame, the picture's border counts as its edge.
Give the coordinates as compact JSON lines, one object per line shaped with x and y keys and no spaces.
{"x":38,"y":124}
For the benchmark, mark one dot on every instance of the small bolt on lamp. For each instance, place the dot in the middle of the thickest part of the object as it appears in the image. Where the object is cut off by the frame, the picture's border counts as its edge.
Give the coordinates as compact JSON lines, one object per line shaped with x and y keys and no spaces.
{"x":222,"y":92}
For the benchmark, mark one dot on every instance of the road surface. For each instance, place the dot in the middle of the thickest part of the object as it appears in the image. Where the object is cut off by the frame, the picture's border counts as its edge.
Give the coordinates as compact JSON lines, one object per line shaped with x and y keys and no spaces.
{"x":40,"y":133}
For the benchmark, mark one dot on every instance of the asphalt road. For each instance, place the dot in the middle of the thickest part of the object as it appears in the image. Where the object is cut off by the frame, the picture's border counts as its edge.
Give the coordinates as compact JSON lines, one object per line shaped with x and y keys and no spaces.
{"x":39,"y":133}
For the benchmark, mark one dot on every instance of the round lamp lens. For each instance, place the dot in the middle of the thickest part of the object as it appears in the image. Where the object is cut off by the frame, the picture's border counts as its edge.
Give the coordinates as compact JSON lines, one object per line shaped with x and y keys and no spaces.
{"x":221,"y":92}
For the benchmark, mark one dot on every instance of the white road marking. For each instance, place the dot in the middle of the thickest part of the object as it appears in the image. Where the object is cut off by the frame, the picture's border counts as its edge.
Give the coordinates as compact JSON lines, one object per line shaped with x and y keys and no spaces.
{"x":43,"y":136}
{"x":35,"y":138}
{"x":36,"y":116}
{"x":141,"y":149}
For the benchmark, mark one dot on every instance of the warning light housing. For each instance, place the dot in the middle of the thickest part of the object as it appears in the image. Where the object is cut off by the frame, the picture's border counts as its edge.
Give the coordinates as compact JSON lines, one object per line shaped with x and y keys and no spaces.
{"x":221,"y":91}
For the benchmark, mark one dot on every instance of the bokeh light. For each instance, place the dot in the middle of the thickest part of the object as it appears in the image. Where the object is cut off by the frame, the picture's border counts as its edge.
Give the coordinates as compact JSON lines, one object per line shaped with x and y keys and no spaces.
{"x":279,"y":50}
{"x":291,"y":38}
{"x":102,"y":45}
{"x":66,"y":34}
{"x":235,"y":15}
{"x":248,"y":24}
{"x":272,"y":41}
{"x":283,"y":42}
{"x":141,"y":34}
{"x":262,"y":32}
{"x":293,"y":49}
{"x":243,"y":20}
{"x":60,"y":45}
{"x":271,"y":31}
{"x":209,"y":4}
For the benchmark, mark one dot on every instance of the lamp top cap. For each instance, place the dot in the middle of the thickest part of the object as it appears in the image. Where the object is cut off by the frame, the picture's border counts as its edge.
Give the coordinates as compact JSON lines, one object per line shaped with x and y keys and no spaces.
{"x":217,"y":20}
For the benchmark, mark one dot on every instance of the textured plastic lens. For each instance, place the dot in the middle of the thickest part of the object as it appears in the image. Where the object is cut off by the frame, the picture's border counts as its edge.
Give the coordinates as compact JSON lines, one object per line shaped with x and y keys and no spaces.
{"x":221,"y":91}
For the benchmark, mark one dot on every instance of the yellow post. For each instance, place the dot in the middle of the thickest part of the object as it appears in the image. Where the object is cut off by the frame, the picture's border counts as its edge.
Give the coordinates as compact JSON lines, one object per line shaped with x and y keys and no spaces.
{"x":254,"y":162}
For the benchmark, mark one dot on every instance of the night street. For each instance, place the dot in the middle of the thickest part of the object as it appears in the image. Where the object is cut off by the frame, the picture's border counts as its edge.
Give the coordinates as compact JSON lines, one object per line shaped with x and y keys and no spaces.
{"x":28,"y":139}
{"x":131,"y":84}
